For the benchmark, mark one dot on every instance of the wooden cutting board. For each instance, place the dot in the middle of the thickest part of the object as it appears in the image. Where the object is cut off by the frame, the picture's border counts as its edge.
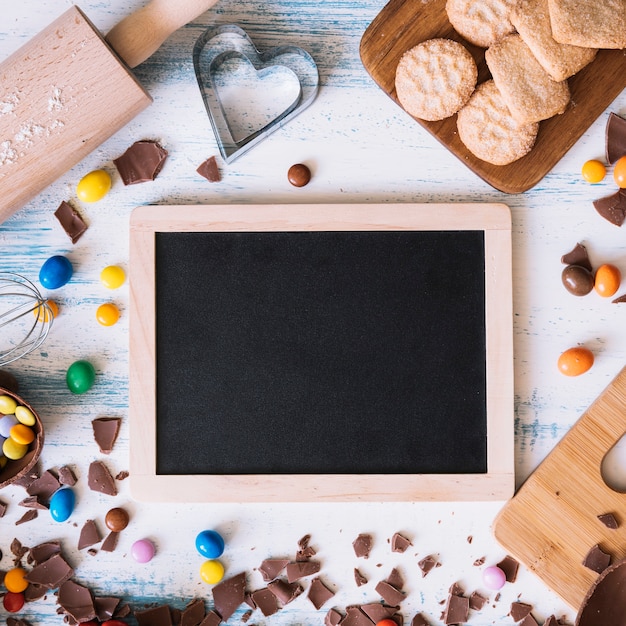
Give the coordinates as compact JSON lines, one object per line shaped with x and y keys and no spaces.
{"x":403,"y":24}
{"x":551,"y":523}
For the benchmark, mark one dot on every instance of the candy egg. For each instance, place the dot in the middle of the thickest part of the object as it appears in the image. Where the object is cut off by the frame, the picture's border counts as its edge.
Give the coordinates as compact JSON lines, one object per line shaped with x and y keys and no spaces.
{"x":577,"y":280}
{"x":24,"y":415}
{"x":607,"y":280}
{"x":107,"y":314}
{"x":6,"y":423}
{"x":210,"y":544}
{"x":56,"y":272}
{"x":62,"y":504}
{"x":593,"y":171}
{"x":7,"y":405}
{"x":80,"y":376}
{"x":94,"y":186}
{"x":20,"y":433}
{"x":142,"y":550}
{"x":112,"y":276}
{"x":211,"y":572}
{"x":116,"y":519}
{"x":575,"y":361}
{"x":13,"y":450}
{"x":48,"y":312}
{"x":15,"y":580}
{"x":13,"y":602}
{"x":494,"y":577}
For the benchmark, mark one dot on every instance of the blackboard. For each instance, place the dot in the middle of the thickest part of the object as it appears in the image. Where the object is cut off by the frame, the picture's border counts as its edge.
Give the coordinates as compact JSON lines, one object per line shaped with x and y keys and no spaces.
{"x":319,"y":349}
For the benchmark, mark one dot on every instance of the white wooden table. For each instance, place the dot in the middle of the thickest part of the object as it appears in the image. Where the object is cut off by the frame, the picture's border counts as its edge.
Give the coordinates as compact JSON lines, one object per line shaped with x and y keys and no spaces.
{"x":361,"y":148}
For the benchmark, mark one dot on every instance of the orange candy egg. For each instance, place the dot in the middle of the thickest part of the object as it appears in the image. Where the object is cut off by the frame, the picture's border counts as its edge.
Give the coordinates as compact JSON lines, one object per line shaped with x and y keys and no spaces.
{"x":593,"y":171}
{"x":607,"y":280}
{"x":619,"y":172}
{"x":575,"y":361}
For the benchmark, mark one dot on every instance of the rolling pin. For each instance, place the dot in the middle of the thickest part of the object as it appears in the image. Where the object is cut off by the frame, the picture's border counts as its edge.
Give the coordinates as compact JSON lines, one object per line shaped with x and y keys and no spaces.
{"x":69,"y":89}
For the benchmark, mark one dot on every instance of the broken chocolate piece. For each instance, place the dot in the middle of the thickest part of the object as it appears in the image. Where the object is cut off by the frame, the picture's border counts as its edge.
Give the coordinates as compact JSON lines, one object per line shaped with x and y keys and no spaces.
{"x":619,"y":299}
{"x":615,"y":138}
{"x":362,"y":545}
{"x":427,"y":564}
{"x":305,"y":551}
{"x":209,"y":170}
{"x":29,"y":516}
{"x":51,"y":573}
{"x":597,"y":560}
{"x":332,"y":618}
{"x":577,"y":256}
{"x":43,"y":551}
{"x":319,"y":593}
{"x":359,"y":579}
{"x":67,"y":476}
{"x":419,"y":620}
{"x":609,"y":520}
{"x":510,"y":567}
{"x":193,"y":613}
{"x":519,"y":610}
{"x":395,"y":579}
{"x":399,"y":543}
{"x":211,"y":619}
{"x":476,"y":601}
{"x":141,"y":163}
{"x":265,"y":601}
{"x":89,"y":535}
{"x":612,"y":208}
{"x":377,"y":611}
{"x":105,"y":607}
{"x":155,"y":616}
{"x":389,"y":594}
{"x":529,"y":620}
{"x":456,"y":611}
{"x":105,"y":431}
{"x":44,"y":486}
{"x":355,"y":617}
{"x":284,"y":591}
{"x":300,"y":569}
{"x":100,"y":479}
{"x":33,"y":502}
{"x":551,"y":621}
{"x":35,"y":592}
{"x":13,"y":621}
{"x":110,"y":542}
{"x":71,"y":221}
{"x":271,"y":568}
{"x":229,"y":594}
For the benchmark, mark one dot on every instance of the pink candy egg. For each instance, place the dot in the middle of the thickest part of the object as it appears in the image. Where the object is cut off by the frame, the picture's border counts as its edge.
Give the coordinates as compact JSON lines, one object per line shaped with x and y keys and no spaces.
{"x":142,"y":550}
{"x":494,"y":577}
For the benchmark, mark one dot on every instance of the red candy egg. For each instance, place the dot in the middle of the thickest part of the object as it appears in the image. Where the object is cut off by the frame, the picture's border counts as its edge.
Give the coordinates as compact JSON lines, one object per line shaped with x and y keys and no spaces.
{"x":13,"y":601}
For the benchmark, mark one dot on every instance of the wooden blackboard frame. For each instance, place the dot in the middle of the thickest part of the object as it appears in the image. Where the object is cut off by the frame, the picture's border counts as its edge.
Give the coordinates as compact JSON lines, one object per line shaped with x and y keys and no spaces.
{"x":497,"y":483}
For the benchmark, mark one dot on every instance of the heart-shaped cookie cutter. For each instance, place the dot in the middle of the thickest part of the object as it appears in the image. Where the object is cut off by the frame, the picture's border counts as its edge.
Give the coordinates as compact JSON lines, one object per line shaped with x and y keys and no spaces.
{"x":221,"y":47}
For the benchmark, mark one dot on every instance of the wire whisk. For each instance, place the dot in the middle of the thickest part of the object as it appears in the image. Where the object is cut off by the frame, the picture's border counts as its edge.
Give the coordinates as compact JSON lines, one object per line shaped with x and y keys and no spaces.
{"x":25,"y":317}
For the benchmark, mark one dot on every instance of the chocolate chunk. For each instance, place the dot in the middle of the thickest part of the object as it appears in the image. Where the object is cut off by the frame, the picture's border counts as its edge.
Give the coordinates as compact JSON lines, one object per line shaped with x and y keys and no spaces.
{"x":510,"y":567}
{"x":67,"y":476}
{"x":29,"y":516}
{"x":110,"y":542}
{"x":100,"y":479}
{"x":619,"y":300}
{"x":300,"y":569}
{"x":71,"y":221}
{"x":427,"y":564}
{"x":609,"y":520}
{"x":476,"y":601}
{"x":51,"y":573}
{"x":355,"y":617}
{"x":13,"y":621}
{"x":519,"y":610}
{"x":479,"y":561}
{"x":615,"y":138}
{"x":551,"y":621}
{"x":305,"y":551}
{"x":612,"y":208}
{"x":141,"y":162}
{"x":332,"y":618}
{"x":43,"y":551}
{"x":246,"y":617}
{"x":33,"y":502}
{"x":209,"y":170}
{"x":456,"y":611}
{"x":44,"y":486}
{"x":105,"y":607}
{"x":3,"y":508}
{"x":359,"y":579}
{"x":105,"y":431}
{"x":156,"y":616}
{"x":193,"y":613}
{"x":456,"y":589}
{"x":89,"y":535}
{"x":362,"y":545}
{"x":265,"y":601}
{"x":529,"y":620}
{"x":377,"y":611}
{"x":35,"y":592}
{"x":319,"y":593}
{"x":419,"y":620}
{"x":271,"y":568}
{"x":229,"y":594}
{"x":389,"y":594}
{"x":17,"y":549}
{"x":9,"y":382}
{"x":284,"y":591}
{"x":395,"y":579}
{"x":211,"y":619}
{"x":577,"y":256}
{"x":122,"y":475}
{"x":399,"y":543}
{"x":597,"y":560}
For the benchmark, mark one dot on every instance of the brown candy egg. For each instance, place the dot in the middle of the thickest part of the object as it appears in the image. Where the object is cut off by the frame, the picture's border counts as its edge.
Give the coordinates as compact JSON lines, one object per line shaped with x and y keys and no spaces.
{"x":577,"y":280}
{"x":116,"y":519}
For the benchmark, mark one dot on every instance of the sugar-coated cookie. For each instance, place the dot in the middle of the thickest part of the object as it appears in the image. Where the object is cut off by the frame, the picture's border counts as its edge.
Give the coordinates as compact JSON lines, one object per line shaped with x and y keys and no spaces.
{"x":435,"y":79}
{"x":489,"y":131}
{"x":481,"y":22}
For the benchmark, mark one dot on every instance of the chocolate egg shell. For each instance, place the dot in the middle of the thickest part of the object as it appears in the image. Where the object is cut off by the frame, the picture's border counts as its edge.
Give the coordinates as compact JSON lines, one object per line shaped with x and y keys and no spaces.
{"x":577,"y":280}
{"x":605,"y":602}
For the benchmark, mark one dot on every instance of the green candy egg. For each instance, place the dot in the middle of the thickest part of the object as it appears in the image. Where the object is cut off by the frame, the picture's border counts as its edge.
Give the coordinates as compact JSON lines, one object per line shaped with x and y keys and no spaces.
{"x":80,"y":376}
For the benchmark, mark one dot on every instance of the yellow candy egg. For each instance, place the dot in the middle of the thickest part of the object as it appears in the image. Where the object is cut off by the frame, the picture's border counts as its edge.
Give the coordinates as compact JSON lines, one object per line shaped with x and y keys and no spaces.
{"x":112,"y":277}
{"x":13,"y":450}
{"x":15,"y":580}
{"x":107,"y":314}
{"x":43,"y":313}
{"x":7,"y":405}
{"x":93,"y":186}
{"x":20,"y":433}
{"x":211,"y":572}
{"x":25,"y":416}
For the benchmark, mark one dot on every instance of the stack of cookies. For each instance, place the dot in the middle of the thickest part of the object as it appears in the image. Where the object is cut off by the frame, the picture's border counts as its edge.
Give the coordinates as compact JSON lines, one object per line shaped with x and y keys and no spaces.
{"x":532,"y":48}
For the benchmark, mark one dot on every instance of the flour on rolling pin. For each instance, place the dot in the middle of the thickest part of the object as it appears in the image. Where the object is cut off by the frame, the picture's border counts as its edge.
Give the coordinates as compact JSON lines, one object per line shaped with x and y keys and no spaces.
{"x":66,"y":91}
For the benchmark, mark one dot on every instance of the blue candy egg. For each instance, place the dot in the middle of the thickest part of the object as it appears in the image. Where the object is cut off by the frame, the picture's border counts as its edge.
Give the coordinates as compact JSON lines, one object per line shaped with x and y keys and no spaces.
{"x":210,"y":544}
{"x":55,"y":272}
{"x":62,"y":504}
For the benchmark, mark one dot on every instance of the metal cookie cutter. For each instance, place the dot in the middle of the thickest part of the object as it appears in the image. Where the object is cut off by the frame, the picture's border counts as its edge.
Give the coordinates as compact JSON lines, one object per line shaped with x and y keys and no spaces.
{"x":248,"y":94}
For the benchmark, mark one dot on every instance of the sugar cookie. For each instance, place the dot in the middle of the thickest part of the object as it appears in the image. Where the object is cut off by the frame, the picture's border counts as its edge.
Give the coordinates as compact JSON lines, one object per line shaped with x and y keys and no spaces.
{"x":481,"y":22}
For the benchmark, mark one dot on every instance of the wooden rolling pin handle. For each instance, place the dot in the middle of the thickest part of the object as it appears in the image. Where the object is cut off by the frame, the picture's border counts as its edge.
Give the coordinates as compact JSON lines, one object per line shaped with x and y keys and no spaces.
{"x":139,"y":35}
